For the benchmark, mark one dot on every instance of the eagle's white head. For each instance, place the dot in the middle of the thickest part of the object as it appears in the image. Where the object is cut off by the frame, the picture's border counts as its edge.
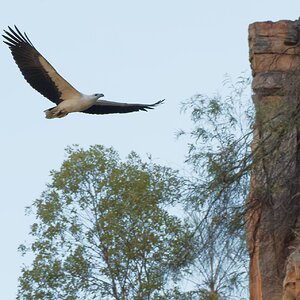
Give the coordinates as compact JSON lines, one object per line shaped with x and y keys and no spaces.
{"x":98,"y":96}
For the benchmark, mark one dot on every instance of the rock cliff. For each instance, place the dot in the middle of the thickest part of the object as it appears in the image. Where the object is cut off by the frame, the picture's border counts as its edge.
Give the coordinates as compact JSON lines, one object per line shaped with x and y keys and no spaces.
{"x":273,"y":215}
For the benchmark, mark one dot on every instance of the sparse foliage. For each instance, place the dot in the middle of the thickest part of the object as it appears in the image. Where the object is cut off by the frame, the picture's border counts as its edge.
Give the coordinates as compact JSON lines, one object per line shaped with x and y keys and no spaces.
{"x":228,"y":144}
{"x":220,"y":156}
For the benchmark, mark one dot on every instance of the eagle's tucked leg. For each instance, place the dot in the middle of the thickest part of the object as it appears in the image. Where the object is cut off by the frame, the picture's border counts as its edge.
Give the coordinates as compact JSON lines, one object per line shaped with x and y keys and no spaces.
{"x":55,"y":112}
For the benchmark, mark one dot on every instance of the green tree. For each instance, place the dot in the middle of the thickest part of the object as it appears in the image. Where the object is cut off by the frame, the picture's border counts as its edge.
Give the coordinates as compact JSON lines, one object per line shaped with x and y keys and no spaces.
{"x":102,"y":230}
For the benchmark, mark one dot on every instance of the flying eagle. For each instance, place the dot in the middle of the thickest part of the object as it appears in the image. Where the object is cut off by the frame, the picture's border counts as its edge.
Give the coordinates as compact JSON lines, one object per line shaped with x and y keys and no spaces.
{"x":40,"y":74}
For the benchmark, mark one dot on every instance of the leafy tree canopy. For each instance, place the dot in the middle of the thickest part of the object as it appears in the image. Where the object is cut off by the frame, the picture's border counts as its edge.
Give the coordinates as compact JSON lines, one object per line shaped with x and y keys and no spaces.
{"x":102,"y":230}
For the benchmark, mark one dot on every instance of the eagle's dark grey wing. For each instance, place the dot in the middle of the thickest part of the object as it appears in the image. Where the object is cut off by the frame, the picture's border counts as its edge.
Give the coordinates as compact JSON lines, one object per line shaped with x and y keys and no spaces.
{"x":37,"y":71}
{"x":110,"y":107}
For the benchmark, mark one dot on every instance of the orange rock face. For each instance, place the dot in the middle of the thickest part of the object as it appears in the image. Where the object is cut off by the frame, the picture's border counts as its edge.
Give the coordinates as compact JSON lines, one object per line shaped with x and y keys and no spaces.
{"x":272,"y":230}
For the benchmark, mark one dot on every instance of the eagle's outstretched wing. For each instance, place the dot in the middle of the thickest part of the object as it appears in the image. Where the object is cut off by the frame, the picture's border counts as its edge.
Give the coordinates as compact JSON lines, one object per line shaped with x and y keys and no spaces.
{"x":37,"y":71}
{"x":110,"y":107}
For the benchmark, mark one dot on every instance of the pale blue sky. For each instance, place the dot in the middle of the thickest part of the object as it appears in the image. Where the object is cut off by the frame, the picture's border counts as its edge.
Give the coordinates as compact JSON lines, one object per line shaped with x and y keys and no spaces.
{"x":129,"y":50}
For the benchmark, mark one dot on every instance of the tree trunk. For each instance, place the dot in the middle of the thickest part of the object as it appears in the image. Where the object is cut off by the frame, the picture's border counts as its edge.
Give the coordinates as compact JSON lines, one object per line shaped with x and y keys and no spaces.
{"x":273,"y":215}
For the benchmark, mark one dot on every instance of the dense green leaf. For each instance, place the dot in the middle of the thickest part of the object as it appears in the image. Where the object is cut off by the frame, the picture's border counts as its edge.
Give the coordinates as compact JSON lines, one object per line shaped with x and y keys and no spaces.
{"x":102,"y":230}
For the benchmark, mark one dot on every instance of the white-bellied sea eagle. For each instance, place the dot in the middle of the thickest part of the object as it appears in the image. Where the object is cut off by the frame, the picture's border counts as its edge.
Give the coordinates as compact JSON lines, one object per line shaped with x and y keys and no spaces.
{"x":39,"y":73}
